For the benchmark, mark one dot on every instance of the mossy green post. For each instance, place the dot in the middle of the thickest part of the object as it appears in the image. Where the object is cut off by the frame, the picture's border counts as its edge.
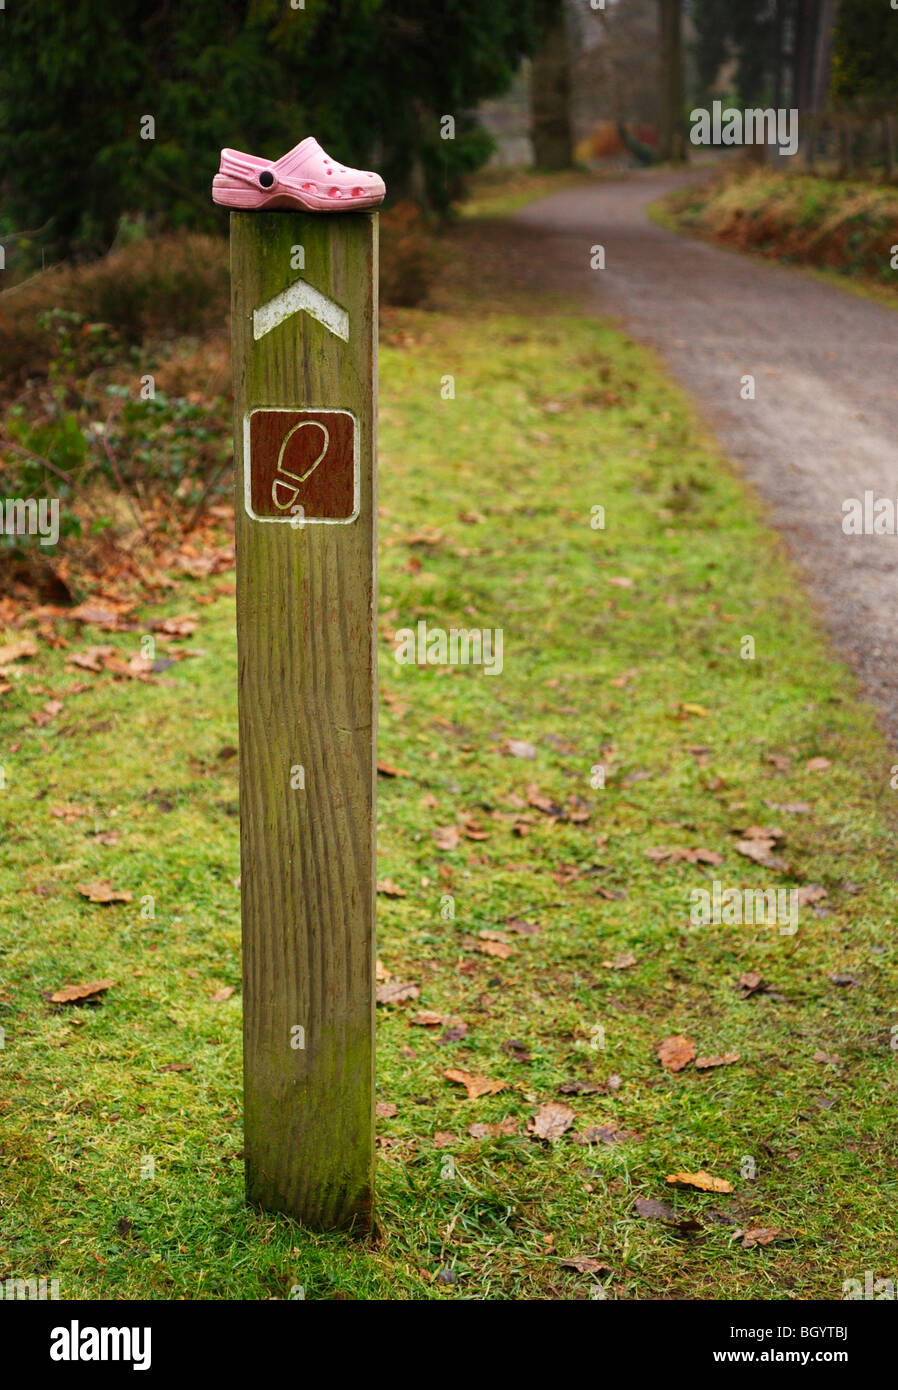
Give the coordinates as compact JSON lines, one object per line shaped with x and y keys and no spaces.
{"x":306,"y":648}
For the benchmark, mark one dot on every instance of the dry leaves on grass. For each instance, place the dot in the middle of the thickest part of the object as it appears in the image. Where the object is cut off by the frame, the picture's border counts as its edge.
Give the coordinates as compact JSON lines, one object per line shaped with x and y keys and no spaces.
{"x":576,"y":812}
{"x":475,"y":1085}
{"x":725,"y":1059}
{"x":69,"y":811}
{"x":606,"y":1134}
{"x":49,"y":711}
{"x":390,"y":889}
{"x":585,"y":1264}
{"x":177,"y":1066}
{"x":396,"y":992}
{"x":551,"y":1120}
{"x":702,"y":1180}
{"x":17,"y":651}
{"x":758,"y":1235}
{"x":817,"y":764}
{"x":760,"y":851}
{"x":621,"y":962}
{"x":675,"y":1052}
{"x":388,"y":770}
{"x":521,"y":928}
{"x":222,"y":994}
{"x":492,"y":943}
{"x":447,"y":837}
{"x":504,"y":1127}
{"x":386,"y":1110}
{"x":519,"y":748}
{"x":650,"y":1209}
{"x":91,"y":659}
{"x":809,"y":893}
{"x":72,"y":994}
{"x":102,"y":891}
{"x":663,"y":853}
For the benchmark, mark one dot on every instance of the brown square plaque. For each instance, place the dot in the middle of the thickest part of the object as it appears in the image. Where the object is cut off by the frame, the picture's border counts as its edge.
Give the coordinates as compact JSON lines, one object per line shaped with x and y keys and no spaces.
{"x":301,"y":464}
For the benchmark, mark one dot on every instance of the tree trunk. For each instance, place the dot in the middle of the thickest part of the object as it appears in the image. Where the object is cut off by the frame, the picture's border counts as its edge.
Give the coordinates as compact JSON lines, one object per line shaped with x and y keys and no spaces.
{"x":550,"y":90}
{"x":672,"y":140}
{"x":823,"y":54}
{"x":803,"y":56}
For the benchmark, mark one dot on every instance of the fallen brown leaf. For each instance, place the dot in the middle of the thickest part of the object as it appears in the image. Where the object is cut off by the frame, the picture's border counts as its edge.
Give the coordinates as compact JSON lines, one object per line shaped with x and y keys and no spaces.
{"x":620,"y":962}
{"x":475,"y":1085}
{"x":759,"y":1235}
{"x":17,"y":651}
{"x":396,"y":992}
{"x":496,"y":1131}
{"x":68,"y":811}
{"x":390,"y":889}
{"x":675,"y":1052}
{"x":606,"y":1134}
{"x":551,"y":1120}
{"x":702,"y":1180}
{"x":102,"y":891}
{"x":760,"y":852}
{"x":70,"y":994}
{"x":222,"y":994}
{"x":725,"y":1059}
{"x":585,"y":1264}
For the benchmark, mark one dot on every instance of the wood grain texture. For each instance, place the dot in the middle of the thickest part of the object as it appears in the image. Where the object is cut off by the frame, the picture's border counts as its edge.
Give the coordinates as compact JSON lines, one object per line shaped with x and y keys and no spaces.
{"x":306,"y":647}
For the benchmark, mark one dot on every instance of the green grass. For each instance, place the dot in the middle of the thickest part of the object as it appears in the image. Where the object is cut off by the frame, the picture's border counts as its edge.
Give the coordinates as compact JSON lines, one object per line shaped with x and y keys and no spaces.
{"x":501,"y":192}
{"x":552,"y":416}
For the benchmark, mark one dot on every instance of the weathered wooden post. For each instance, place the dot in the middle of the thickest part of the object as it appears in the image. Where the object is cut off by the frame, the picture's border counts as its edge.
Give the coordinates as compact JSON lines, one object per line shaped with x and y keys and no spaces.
{"x":304,"y":325}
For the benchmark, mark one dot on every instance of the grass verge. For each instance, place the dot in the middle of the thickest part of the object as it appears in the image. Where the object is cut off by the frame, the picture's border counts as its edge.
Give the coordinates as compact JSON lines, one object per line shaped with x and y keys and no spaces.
{"x":540,"y":919}
{"x":844,"y":232}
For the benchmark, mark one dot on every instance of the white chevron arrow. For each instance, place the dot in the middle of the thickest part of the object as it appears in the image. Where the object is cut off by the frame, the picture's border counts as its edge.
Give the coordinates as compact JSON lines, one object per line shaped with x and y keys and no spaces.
{"x":301,"y":297}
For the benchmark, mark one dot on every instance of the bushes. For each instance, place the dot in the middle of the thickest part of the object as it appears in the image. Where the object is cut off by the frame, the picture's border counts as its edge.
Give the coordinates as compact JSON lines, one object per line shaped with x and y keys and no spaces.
{"x":409,"y":257}
{"x":809,"y":221}
{"x":158,"y":287}
{"x":169,"y":286}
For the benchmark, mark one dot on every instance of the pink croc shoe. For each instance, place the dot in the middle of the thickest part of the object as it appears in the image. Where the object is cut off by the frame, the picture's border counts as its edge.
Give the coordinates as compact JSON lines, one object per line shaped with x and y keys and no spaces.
{"x":306,"y":177}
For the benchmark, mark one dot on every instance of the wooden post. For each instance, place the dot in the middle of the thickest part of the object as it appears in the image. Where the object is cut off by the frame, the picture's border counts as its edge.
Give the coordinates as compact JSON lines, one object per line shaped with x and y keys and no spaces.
{"x":304,"y":325}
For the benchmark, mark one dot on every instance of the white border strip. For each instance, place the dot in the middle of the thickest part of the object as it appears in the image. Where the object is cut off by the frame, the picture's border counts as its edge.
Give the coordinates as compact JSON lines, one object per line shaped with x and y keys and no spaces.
{"x":306,"y":520}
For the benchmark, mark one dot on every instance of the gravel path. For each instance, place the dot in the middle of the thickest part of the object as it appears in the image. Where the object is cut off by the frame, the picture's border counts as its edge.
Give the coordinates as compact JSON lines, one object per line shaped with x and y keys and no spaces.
{"x":824,"y":424}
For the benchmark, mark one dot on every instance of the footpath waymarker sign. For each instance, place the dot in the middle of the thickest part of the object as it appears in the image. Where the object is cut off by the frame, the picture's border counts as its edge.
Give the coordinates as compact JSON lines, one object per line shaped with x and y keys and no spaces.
{"x":304,"y":361}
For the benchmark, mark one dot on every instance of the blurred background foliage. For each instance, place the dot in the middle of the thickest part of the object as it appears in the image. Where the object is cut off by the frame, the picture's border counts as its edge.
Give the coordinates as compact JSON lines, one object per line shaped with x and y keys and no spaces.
{"x":369,"y":78}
